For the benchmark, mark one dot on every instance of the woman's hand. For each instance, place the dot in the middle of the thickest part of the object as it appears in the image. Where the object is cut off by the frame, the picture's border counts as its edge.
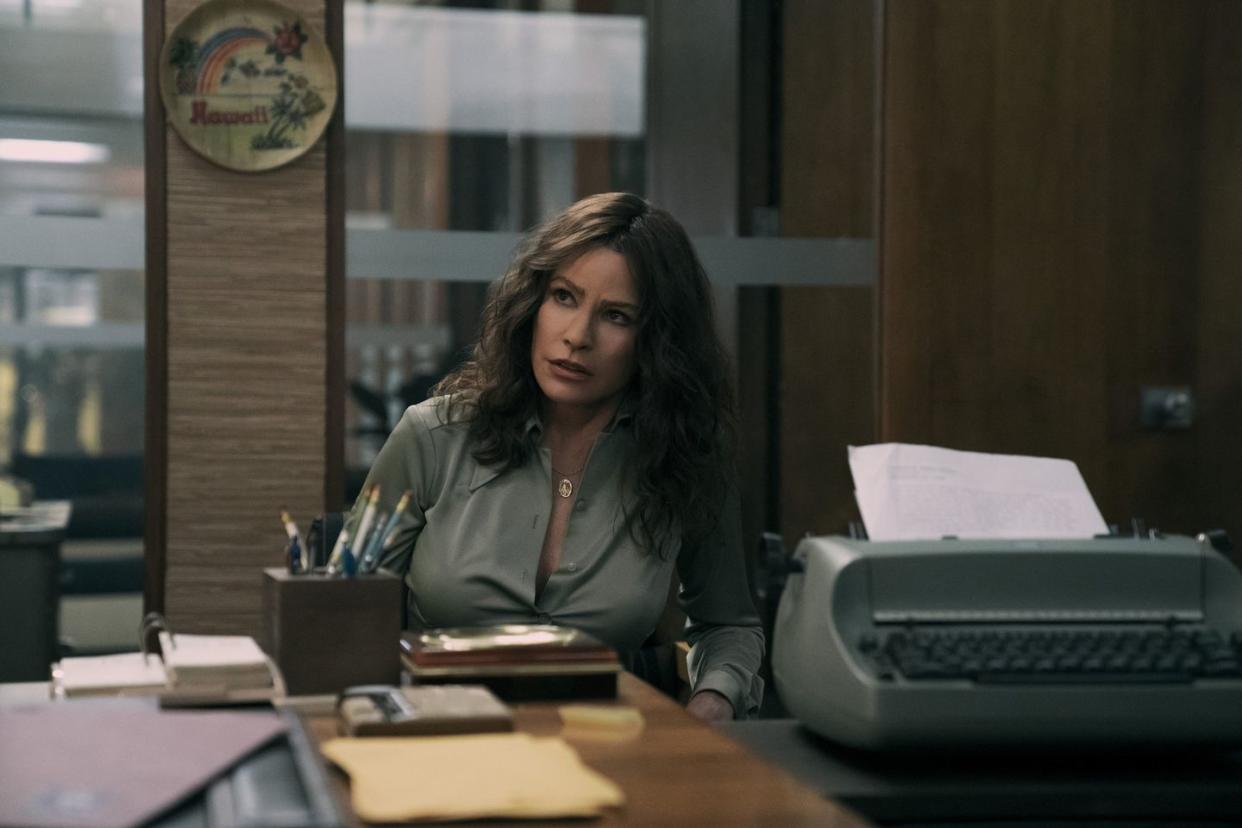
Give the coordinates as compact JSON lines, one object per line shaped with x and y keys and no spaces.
{"x":710,"y":706}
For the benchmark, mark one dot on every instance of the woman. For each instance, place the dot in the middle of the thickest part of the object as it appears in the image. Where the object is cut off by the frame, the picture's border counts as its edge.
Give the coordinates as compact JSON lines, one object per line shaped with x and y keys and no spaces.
{"x":583,"y":452}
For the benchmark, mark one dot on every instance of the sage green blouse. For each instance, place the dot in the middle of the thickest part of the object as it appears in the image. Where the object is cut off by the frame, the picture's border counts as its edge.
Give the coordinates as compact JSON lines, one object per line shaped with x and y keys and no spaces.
{"x":470,"y":543}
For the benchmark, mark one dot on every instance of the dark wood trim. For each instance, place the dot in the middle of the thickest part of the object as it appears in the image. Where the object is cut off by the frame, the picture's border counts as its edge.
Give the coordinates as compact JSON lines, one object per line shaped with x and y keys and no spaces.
{"x":334,"y":421}
{"x":592,"y":166}
{"x":827,"y":175}
{"x":757,"y":135}
{"x":877,"y":293}
{"x":156,"y":349}
{"x":754,"y":192}
{"x":773,"y":332}
{"x":772,"y":346}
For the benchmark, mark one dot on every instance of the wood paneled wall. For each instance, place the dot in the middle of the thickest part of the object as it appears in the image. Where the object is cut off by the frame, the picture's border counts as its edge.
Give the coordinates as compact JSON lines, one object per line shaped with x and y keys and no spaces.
{"x":246,"y":401}
{"x":1218,"y":464}
{"x":827,"y":175}
{"x":993,"y":123}
{"x":1061,"y":204}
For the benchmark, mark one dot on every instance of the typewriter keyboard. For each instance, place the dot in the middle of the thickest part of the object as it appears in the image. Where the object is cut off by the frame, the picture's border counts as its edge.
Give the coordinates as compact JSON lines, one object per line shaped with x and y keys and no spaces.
{"x":1061,"y":656}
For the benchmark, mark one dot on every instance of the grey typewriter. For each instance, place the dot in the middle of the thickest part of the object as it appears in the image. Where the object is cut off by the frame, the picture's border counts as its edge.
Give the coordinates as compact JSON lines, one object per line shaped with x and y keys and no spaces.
{"x":953,"y":643}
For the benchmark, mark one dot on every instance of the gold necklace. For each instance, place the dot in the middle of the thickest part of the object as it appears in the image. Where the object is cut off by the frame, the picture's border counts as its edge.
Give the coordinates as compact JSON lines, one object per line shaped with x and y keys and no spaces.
{"x":565,"y":488}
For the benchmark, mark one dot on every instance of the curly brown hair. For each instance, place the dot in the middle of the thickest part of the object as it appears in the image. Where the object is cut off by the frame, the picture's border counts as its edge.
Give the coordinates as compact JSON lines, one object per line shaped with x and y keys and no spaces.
{"x":681,"y":396}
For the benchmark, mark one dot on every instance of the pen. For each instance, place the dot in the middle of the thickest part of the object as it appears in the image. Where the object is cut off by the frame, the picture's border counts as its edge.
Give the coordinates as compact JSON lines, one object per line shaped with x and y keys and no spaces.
{"x":349,"y":564}
{"x":373,"y":551}
{"x":374,"y":543}
{"x":295,"y":557}
{"x":338,"y":549}
{"x":368,"y":518}
{"x":298,"y":561}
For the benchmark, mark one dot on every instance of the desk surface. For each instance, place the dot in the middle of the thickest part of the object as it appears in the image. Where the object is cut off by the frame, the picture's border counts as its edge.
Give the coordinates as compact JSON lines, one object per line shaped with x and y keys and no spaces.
{"x":40,"y":523}
{"x":678,"y":771}
{"x":1154,"y":787}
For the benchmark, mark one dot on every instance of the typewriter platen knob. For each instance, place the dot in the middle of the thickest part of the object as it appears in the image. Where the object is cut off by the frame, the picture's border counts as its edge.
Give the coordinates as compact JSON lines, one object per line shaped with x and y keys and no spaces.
{"x":1218,"y":539}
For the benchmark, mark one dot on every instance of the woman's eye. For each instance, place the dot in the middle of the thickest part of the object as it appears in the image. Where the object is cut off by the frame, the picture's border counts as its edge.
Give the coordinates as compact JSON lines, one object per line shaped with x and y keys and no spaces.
{"x":620,"y":317}
{"x":561,"y":295}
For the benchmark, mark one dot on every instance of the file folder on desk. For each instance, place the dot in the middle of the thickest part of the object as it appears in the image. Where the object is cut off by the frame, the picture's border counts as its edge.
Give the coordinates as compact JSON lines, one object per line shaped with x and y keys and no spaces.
{"x":107,"y":763}
{"x":283,"y":784}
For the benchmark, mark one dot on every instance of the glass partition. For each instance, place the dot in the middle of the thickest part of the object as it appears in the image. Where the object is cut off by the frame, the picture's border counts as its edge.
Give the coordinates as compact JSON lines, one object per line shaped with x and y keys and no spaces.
{"x":72,"y":297}
{"x":466,"y":126}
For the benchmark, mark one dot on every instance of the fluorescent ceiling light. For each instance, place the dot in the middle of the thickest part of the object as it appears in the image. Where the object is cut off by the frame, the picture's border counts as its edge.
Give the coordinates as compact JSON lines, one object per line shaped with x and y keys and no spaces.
{"x":52,"y":152}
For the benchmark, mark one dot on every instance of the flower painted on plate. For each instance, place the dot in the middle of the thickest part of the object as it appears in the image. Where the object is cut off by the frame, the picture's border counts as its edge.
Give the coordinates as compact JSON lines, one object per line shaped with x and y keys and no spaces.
{"x":287,"y":41}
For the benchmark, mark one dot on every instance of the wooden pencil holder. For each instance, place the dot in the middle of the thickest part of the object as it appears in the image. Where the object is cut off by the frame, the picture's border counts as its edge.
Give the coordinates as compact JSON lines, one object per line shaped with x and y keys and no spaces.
{"x":327,"y":634}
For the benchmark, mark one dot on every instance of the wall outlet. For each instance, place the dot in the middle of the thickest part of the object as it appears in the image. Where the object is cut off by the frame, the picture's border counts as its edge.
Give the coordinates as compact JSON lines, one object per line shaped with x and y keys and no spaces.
{"x":1166,"y":408}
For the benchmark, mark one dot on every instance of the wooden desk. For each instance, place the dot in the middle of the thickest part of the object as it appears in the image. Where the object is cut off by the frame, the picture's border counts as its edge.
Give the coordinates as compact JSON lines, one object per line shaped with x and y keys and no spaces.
{"x":1152,"y":787}
{"x":678,"y":771}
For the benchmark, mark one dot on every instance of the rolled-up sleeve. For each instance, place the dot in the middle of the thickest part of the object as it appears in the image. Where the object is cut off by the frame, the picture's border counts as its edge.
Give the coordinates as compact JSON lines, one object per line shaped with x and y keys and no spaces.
{"x":722,"y":627}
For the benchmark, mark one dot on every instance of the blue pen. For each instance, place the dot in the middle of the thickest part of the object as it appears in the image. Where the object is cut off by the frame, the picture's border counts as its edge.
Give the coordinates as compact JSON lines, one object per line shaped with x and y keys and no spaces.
{"x":361,"y":535}
{"x":296,"y":562}
{"x":349,"y":564}
{"x":295,"y":557}
{"x":370,"y":558}
{"x":338,"y":548}
{"x":374,"y":544}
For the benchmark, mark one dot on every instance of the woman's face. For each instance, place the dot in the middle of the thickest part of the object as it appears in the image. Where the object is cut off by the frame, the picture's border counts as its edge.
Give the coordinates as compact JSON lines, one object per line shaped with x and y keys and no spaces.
{"x":583,"y":347}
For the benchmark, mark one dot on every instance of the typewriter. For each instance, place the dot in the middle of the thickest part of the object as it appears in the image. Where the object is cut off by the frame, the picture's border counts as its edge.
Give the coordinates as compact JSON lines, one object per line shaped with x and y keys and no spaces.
{"x":956,"y":643}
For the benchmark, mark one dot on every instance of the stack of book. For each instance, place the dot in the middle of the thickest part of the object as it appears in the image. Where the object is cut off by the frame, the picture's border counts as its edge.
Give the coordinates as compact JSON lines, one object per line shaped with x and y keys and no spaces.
{"x":516,"y":661}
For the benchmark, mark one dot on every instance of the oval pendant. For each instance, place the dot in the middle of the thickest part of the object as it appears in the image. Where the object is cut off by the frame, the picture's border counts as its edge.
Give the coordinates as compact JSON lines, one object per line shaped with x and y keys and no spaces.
{"x":565,"y":488}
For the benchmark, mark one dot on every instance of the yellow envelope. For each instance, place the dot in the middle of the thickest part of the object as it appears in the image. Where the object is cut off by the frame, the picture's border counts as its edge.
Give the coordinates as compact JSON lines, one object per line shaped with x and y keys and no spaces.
{"x":469,"y":777}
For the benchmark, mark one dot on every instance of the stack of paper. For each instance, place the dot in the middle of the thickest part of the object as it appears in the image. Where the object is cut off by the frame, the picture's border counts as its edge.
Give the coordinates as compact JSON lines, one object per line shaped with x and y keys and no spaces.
{"x":123,"y":674}
{"x":228,"y":662}
{"x":908,"y":492}
{"x":469,"y":777}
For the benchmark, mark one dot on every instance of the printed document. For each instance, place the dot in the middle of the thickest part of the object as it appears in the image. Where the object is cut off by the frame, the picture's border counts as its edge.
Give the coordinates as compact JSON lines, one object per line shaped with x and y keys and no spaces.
{"x":909,"y":492}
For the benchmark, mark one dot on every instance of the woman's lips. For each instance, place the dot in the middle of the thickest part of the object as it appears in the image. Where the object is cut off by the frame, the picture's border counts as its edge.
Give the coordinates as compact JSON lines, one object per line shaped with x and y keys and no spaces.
{"x":568,"y":370}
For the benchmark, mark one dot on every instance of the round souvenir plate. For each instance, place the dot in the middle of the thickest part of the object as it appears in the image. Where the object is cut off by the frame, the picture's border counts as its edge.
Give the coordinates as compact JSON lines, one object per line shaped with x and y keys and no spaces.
{"x":248,"y":84}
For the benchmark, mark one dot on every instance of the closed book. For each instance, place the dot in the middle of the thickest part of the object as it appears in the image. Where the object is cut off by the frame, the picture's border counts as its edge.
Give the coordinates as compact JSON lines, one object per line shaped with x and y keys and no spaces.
{"x":516,"y":661}
{"x":509,"y":644}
